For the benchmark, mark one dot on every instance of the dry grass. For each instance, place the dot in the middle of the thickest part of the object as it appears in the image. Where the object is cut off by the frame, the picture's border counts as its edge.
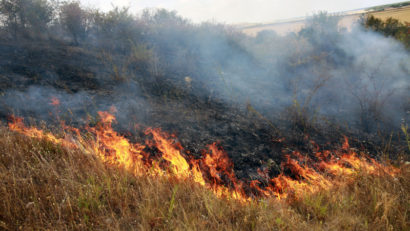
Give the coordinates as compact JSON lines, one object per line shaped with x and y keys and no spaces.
{"x":45,"y":186}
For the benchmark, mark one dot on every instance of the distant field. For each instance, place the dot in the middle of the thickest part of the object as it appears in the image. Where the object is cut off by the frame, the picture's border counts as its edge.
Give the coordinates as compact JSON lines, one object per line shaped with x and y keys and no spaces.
{"x":282,"y":28}
{"x":402,"y":14}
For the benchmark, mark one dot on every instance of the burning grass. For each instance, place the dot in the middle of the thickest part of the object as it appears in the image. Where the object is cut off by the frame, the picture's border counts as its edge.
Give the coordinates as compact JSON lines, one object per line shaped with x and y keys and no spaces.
{"x":82,"y":181}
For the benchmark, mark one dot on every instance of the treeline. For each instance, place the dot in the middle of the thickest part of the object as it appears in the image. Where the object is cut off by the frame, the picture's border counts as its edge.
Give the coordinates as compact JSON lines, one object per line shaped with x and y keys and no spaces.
{"x":155,"y":39}
{"x":34,"y":19}
{"x":38,"y":18}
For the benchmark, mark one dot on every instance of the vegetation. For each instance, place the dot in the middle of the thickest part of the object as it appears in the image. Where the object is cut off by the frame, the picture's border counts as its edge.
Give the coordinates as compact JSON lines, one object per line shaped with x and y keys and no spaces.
{"x":260,"y":97}
{"x":390,"y":28}
{"x":26,"y":17}
{"x":46,"y":186}
{"x":74,"y":20}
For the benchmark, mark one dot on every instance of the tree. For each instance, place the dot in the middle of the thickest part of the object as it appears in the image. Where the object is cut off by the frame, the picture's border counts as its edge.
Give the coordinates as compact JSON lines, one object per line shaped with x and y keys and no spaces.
{"x":163,"y":17}
{"x":323,"y":32}
{"x":37,"y":13}
{"x":24,"y":16}
{"x":9,"y":10}
{"x":116,"y":30}
{"x":373,"y":23}
{"x":73,"y":20}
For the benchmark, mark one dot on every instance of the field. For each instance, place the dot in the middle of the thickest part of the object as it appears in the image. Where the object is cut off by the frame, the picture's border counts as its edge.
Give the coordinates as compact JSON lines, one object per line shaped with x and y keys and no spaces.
{"x":282,"y":28}
{"x":402,"y":14}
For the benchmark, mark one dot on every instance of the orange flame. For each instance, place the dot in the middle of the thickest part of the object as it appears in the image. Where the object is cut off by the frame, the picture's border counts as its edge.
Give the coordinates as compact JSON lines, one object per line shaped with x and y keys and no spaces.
{"x":215,"y":170}
{"x":55,"y":101}
{"x":18,"y":126}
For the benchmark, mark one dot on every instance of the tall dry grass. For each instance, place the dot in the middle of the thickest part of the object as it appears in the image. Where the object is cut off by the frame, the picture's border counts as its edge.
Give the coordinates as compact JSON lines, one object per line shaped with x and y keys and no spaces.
{"x":45,"y":186}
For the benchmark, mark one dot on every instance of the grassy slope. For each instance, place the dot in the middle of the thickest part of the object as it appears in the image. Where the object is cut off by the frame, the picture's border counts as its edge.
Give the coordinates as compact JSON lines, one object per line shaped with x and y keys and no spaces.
{"x":44,"y":186}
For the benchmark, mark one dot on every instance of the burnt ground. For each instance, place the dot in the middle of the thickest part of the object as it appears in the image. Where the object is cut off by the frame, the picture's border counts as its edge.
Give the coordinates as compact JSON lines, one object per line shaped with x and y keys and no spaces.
{"x":85,"y":83}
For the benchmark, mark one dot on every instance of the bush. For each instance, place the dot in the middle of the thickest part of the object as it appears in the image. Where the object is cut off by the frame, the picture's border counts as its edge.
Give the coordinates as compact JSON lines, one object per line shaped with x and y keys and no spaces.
{"x":26,"y":16}
{"x":116,"y":30}
{"x":73,"y":20}
{"x":390,"y":27}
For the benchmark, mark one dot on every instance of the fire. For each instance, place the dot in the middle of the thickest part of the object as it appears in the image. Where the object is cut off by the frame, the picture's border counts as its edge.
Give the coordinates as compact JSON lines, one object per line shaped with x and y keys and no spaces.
{"x":55,"y":101}
{"x":214,"y":170}
{"x":218,"y":164}
{"x":171,"y":153}
{"x":112,"y":147}
{"x":18,"y":126}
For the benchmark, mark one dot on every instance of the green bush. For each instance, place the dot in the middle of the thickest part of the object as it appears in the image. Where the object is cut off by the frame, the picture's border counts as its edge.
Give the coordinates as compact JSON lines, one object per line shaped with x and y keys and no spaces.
{"x":390,"y":28}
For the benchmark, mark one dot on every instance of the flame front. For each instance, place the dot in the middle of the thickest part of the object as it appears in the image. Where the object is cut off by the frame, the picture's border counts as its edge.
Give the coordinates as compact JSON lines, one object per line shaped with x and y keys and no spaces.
{"x":55,"y":101}
{"x":214,"y":170}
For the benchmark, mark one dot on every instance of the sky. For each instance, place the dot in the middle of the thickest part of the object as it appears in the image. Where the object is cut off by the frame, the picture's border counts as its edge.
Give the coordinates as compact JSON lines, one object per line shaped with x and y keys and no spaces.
{"x":239,"y":11}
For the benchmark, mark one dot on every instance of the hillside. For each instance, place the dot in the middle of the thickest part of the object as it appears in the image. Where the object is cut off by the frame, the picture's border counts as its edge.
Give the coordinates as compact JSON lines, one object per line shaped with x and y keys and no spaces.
{"x":110,"y":120}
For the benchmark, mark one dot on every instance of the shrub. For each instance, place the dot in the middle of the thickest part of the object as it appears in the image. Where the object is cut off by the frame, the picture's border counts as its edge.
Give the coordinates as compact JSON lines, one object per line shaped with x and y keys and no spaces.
{"x":73,"y":20}
{"x":26,"y":16}
{"x":390,"y":27}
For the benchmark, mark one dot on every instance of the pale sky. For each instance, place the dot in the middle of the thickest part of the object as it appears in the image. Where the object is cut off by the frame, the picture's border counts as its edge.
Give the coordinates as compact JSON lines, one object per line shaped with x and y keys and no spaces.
{"x":239,"y":11}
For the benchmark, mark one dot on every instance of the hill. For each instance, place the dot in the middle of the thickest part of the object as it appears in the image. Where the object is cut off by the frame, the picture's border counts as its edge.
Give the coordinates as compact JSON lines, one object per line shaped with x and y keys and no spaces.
{"x":152,"y":122}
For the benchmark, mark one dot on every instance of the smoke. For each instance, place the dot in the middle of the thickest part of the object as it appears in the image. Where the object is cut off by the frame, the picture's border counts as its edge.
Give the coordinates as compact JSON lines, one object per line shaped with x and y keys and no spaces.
{"x":45,"y":103}
{"x":357,"y":77}
{"x":36,"y":102}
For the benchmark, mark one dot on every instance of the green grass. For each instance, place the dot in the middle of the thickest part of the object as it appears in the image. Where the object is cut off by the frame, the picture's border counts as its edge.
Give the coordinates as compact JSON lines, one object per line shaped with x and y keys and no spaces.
{"x":45,"y":186}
